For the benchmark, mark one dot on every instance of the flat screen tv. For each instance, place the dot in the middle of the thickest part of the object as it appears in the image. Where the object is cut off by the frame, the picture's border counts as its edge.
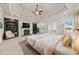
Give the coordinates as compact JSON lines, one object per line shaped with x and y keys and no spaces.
{"x":25,"y":25}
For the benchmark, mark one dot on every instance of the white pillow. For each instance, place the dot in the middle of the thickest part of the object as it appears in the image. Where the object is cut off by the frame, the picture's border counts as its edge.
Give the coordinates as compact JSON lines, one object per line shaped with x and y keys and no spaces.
{"x":73,"y":39}
{"x":76,"y":44}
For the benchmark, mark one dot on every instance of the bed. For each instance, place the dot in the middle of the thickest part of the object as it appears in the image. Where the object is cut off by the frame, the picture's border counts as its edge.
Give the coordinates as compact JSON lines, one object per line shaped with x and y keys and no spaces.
{"x":31,"y":40}
{"x":46,"y":45}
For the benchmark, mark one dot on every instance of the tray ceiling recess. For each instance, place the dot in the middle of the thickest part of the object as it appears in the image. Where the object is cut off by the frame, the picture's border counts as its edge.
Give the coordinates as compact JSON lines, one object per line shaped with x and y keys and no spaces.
{"x":37,"y":10}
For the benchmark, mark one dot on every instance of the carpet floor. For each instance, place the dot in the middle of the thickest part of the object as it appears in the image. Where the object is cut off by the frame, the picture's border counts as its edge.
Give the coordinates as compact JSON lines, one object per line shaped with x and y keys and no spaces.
{"x":27,"y":49}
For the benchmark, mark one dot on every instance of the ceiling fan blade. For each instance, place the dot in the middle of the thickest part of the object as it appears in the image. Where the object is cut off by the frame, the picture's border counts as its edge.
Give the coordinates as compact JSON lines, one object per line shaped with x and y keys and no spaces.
{"x":33,"y":12}
{"x":36,"y":9}
{"x":40,"y":11}
{"x":40,"y":14}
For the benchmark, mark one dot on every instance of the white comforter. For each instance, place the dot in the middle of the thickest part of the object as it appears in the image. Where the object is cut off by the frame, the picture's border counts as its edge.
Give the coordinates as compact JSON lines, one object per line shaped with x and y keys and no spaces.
{"x":33,"y":38}
{"x":47,"y":44}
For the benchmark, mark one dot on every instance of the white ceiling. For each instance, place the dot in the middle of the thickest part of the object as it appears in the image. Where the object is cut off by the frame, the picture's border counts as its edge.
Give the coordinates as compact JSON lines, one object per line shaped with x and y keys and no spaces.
{"x":25,"y":10}
{"x":47,"y":8}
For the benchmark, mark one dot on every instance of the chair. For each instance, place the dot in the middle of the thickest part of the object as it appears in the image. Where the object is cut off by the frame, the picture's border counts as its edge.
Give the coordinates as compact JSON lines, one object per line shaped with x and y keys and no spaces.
{"x":9,"y":34}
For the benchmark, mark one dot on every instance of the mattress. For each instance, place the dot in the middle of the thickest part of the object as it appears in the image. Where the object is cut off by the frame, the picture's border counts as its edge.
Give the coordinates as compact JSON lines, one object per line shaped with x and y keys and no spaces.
{"x":33,"y":38}
{"x":47,"y":44}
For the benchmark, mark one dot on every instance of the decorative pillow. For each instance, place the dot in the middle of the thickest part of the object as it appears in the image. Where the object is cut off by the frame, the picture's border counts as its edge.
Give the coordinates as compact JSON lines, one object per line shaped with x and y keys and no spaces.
{"x":76,"y":43}
{"x":67,"y":40}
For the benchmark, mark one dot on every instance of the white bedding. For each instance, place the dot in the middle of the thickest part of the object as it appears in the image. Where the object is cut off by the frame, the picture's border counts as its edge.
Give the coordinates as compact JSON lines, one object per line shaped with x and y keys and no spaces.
{"x":33,"y":38}
{"x":47,"y":44}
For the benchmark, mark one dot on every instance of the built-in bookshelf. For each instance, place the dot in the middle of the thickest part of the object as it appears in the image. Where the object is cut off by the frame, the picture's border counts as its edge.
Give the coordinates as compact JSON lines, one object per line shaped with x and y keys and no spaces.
{"x":11,"y":25}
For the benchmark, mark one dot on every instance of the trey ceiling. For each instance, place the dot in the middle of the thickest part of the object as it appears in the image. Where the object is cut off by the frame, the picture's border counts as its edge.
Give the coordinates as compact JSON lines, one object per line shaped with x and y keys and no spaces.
{"x":25,"y":10}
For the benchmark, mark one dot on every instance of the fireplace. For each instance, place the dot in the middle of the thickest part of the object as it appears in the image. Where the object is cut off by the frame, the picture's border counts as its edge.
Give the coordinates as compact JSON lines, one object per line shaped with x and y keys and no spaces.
{"x":26,"y":32}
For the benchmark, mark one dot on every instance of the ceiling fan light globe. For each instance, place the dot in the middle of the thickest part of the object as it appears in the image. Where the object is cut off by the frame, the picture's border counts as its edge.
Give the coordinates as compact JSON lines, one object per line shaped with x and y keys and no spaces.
{"x":37,"y":13}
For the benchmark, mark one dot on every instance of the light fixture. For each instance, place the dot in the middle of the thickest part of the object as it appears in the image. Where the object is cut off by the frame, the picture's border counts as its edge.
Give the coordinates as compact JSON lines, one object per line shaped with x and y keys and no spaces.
{"x":37,"y":11}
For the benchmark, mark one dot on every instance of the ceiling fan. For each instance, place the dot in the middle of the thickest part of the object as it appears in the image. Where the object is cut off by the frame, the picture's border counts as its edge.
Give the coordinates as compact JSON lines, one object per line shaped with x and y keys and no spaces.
{"x":37,"y":11}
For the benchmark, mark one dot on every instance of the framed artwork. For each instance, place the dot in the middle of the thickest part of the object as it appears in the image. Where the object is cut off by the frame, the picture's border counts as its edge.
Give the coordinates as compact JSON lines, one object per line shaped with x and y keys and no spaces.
{"x":69,"y":23}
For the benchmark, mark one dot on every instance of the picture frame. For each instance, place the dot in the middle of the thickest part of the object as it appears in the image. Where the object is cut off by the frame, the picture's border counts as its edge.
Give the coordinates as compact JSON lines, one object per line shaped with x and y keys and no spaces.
{"x":69,"y":23}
